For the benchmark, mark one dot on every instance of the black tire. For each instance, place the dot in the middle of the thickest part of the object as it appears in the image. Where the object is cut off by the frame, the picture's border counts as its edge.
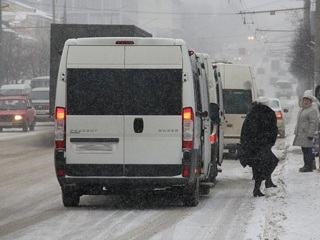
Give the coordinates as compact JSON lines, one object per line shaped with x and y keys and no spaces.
{"x":204,"y":190}
{"x":25,"y":127}
{"x":191,"y":195}
{"x":32,"y":126}
{"x":69,"y":198}
{"x":213,"y":172}
{"x":1,"y":129}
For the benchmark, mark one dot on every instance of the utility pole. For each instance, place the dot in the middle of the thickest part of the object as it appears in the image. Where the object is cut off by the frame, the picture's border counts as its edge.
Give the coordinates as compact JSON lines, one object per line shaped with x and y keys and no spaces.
{"x":54,"y":11}
{"x":1,"y":48}
{"x":306,"y":17}
{"x":317,"y":45}
{"x":65,"y":12}
{"x":309,"y":84}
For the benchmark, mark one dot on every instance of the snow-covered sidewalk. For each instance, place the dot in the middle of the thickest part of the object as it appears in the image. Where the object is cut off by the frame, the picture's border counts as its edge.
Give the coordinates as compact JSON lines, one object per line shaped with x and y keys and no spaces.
{"x":292,"y":210}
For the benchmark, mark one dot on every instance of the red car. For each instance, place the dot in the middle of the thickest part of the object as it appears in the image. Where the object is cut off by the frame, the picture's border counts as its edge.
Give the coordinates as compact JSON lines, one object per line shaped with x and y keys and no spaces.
{"x":17,"y":112}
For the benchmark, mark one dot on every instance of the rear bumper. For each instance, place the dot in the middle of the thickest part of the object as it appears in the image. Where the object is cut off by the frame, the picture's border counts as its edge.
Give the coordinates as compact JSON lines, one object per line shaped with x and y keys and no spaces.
{"x":119,"y":177}
{"x":232,"y":146}
{"x":231,"y":139}
{"x":125,"y":182}
{"x":11,"y":124}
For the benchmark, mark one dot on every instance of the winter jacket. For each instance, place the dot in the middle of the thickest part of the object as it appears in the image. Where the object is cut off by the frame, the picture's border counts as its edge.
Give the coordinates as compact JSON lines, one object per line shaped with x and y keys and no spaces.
{"x":259,"y":131}
{"x":307,"y":125}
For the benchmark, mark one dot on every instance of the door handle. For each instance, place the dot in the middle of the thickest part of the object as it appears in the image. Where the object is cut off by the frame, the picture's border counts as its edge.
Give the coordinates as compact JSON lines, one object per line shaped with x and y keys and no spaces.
{"x":138,"y":125}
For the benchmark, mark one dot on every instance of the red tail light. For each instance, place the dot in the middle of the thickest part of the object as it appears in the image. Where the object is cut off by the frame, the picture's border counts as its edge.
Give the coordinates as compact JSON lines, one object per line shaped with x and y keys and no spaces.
{"x":279,"y":114}
{"x":214,"y":134}
{"x":185,"y":171}
{"x":60,"y":113}
{"x":59,"y":127}
{"x":213,"y":138}
{"x":187,"y":125}
{"x":60,"y":172}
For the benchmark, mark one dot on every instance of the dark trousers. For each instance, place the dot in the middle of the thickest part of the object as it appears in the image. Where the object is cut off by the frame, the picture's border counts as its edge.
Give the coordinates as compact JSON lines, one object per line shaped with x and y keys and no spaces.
{"x":308,"y":157}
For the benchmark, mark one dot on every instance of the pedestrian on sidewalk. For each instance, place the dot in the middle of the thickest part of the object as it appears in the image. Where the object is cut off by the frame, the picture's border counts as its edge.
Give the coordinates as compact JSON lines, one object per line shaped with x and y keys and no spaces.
{"x":306,"y":126}
{"x":258,"y":135}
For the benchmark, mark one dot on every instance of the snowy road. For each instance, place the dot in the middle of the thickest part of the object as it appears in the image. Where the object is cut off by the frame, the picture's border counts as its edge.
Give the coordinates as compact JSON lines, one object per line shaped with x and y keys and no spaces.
{"x":31,"y":206}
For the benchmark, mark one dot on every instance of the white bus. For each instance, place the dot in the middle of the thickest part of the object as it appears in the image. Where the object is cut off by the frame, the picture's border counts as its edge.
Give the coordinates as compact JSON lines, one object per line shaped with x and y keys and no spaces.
{"x":239,"y":91}
{"x":131,"y":114}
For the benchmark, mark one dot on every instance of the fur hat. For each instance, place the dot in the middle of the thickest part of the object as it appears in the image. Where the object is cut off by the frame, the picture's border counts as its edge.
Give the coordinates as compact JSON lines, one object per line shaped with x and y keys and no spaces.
{"x":263,"y":100}
{"x":308,"y":94}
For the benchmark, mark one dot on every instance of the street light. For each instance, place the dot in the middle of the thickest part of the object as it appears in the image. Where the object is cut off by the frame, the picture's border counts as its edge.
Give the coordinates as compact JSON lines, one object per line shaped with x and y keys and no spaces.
{"x":1,"y":55}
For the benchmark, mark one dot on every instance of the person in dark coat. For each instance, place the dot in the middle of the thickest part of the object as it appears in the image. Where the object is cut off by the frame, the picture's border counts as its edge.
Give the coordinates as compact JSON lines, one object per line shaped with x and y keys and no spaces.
{"x":258,"y":135}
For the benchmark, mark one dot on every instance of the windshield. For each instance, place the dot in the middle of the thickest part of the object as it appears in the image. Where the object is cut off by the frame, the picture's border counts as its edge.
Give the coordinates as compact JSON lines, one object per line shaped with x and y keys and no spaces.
{"x":12,"y":105}
{"x":273,"y":104}
{"x":39,"y":83}
{"x":284,"y":85}
{"x":37,"y":95}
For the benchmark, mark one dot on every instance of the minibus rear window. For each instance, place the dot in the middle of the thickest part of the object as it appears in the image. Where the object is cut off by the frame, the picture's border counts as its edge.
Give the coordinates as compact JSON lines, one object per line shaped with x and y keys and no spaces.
{"x":237,"y":101}
{"x":124,"y":91}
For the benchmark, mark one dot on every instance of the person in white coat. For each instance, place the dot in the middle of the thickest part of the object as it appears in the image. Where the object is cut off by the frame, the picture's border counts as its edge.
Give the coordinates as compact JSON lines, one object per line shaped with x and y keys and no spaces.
{"x":315,"y":104}
{"x":307,"y":125}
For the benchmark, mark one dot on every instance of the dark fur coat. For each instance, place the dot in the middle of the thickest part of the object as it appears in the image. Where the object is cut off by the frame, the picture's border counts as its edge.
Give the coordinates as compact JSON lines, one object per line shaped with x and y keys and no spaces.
{"x":258,"y":135}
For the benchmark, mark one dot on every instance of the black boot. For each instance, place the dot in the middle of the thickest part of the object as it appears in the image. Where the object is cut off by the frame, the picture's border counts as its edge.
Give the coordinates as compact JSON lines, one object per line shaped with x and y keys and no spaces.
{"x":257,"y":184}
{"x":269,"y":183}
{"x":257,"y":193}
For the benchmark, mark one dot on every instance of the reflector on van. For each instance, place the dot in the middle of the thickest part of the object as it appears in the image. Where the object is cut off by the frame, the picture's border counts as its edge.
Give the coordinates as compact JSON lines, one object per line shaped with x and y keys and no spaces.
{"x":191,"y":52}
{"x":124,"y":42}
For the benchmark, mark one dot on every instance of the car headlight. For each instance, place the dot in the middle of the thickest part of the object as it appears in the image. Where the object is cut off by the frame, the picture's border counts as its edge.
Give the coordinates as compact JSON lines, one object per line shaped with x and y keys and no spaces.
{"x":18,"y":117}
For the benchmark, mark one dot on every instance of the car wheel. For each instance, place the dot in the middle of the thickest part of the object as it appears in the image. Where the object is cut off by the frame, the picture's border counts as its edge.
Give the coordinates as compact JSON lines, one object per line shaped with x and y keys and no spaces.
{"x":32,"y":126}
{"x":205,"y":189}
{"x":1,"y":129}
{"x":70,"y":198}
{"x":213,"y":172}
{"x":191,"y":195}
{"x":25,"y":127}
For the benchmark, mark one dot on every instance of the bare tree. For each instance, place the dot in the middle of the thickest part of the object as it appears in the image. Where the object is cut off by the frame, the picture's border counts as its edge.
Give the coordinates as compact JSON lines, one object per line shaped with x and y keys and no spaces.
{"x":302,"y":58}
{"x":24,"y":57}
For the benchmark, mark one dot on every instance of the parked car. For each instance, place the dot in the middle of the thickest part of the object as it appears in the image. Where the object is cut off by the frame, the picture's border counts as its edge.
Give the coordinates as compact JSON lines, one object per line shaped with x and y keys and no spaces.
{"x":15,"y":89}
{"x":43,"y":81}
{"x":275,"y":105}
{"x":261,"y":70}
{"x":284,"y":89}
{"x":17,"y":112}
{"x":40,"y":101}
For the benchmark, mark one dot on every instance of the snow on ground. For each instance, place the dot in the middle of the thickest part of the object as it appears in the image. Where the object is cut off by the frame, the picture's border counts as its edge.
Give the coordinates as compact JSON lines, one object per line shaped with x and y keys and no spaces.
{"x":291,"y":211}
